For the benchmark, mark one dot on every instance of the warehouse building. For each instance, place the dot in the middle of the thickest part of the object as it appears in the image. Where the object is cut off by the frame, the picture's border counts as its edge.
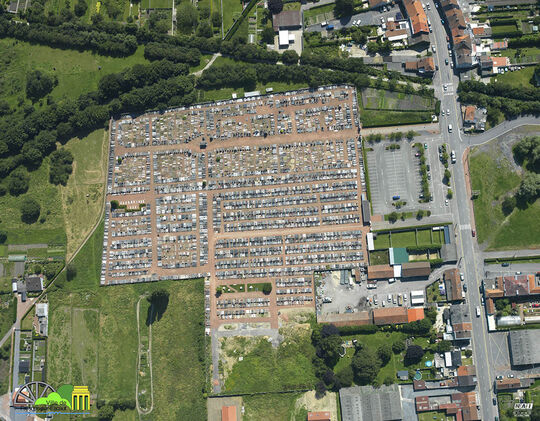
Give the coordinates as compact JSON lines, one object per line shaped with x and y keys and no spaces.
{"x":365,"y":403}
{"x":524,"y":345}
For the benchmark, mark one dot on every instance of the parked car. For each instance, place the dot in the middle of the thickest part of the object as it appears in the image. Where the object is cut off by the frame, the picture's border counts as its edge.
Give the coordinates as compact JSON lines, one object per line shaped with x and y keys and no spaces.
{"x":446,"y":61}
{"x":505,"y":264}
{"x":494,"y":401}
{"x":499,"y":377}
{"x":465,"y":287}
{"x":396,"y":197}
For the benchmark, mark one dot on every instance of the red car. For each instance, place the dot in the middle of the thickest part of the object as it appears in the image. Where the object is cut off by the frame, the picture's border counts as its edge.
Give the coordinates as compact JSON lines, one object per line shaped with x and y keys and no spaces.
{"x":474,"y":233}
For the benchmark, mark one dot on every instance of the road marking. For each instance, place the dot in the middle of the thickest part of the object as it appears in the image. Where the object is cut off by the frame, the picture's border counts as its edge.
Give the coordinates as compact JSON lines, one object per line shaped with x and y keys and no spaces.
{"x":465,"y":227}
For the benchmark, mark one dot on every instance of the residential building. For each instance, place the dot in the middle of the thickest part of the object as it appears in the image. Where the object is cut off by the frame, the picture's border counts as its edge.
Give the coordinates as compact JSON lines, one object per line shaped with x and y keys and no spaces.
{"x":417,"y":17}
{"x":365,"y":403}
{"x":460,"y":324}
{"x":415,"y":270}
{"x":462,"y":406}
{"x":513,"y":384}
{"x":452,"y":281}
{"x":319,"y":416}
{"x":474,"y":118}
{"x":228,"y":413}
{"x":466,"y":375}
{"x":424,"y":66}
{"x":288,"y":26}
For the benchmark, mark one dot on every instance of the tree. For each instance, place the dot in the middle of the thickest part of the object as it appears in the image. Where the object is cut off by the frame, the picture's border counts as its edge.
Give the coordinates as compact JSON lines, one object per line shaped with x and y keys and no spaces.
{"x":508,"y":204}
{"x":420,"y":214}
{"x":329,"y":330}
{"x":320,"y":389}
{"x":529,"y":189}
{"x":60,"y":167}
{"x":413,"y":354}
{"x":447,"y":176}
{"x":187,"y":17}
{"x":344,"y":7}
{"x":204,"y":30}
{"x":365,"y":365}
{"x":80,"y":8}
{"x":398,"y":347}
{"x":159,"y":301}
{"x":385,"y":353}
{"x":411,"y":134}
{"x":443,"y":346}
{"x":345,"y":376}
{"x":3,"y":236}
{"x":359,"y":37}
{"x":18,"y":181}
{"x":267,"y":35}
{"x":39,"y":84}
{"x":71,"y":271}
{"x":290,"y":57}
{"x":468,"y":353}
{"x":393,"y":217}
{"x":204,"y":11}
{"x":388,"y":380}
{"x":329,"y":348}
{"x":114,"y":204}
{"x":275,"y":6}
{"x":30,"y":210}
{"x":449,"y":194}
{"x":216,"y":19}
{"x":267,"y":288}
{"x":106,"y":413}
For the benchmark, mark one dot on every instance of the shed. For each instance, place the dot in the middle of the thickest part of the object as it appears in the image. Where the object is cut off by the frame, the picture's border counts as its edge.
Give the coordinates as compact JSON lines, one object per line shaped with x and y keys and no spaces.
{"x":403,"y":375}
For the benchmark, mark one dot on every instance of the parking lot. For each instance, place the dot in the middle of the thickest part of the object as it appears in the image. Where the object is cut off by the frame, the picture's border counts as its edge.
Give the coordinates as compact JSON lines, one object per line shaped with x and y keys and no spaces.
{"x":393,"y":173}
{"x":245,"y":192}
{"x":352,"y":296}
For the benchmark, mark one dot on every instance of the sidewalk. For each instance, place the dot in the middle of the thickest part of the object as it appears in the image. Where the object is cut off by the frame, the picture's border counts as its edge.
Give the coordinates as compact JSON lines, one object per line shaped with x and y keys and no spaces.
{"x":432,"y":128}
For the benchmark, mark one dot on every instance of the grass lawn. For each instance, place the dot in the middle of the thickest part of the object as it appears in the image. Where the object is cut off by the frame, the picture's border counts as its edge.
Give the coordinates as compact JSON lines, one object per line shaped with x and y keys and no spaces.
{"x":51,"y":230}
{"x":77,"y":72}
{"x":382,"y":99}
{"x":4,"y":367}
{"x":232,"y":9}
{"x":403,"y":239}
{"x":93,"y":338}
{"x":519,"y":78}
{"x":424,"y":236}
{"x":82,"y":198}
{"x":270,"y":407}
{"x":226,"y":93}
{"x":378,"y":118}
{"x":265,"y":369}
{"x":311,"y":15}
{"x":382,"y":241}
{"x":493,"y":176}
{"x":434,"y":416}
{"x":379,"y":257}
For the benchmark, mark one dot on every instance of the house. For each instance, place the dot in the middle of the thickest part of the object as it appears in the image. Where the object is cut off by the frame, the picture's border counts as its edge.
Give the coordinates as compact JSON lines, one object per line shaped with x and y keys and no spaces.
{"x":415,"y":270}
{"x":452,"y":280}
{"x":376,"y":4}
{"x":396,"y":35}
{"x":424,"y":66}
{"x":415,"y":314}
{"x":376,"y":272}
{"x":228,"y":413}
{"x":499,"y":45}
{"x":474,"y":118}
{"x":417,"y":17}
{"x":34,"y":283}
{"x":462,"y":406}
{"x":500,"y":63}
{"x":460,"y":321}
{"x":513,"y":384}
{"x":288,"y":26}
{"x":466,"y":375}
{"x":390,"y":315}
{"x":319,"y":416}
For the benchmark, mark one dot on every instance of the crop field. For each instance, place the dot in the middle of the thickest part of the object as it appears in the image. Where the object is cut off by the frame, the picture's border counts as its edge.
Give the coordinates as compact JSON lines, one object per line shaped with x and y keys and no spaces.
{"x":93,"y":339}
{"x":494,"y":177}
{"x":381,"y":99}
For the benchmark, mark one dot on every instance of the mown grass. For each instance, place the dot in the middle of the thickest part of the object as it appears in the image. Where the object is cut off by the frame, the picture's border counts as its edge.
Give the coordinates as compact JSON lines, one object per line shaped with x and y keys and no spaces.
{"x":77,"y":72}
{"x":93,"y":338}
{"x":379,"y":118}
{"x":270,"y":406}
{"x":493,"y":176}
{"x":232,"y":9}
{"x":519,"y":78}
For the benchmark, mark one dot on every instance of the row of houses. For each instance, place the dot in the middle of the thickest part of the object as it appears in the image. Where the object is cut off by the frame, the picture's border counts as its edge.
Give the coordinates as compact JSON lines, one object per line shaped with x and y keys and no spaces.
{"x":462,"y":406}
{"x":377,"y":316}
{"x":511,"y":286}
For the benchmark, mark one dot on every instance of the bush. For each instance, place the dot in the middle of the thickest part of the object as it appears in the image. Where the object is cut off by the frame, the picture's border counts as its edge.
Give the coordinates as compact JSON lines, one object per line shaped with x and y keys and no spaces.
{"x":508,"y":205}
{"x":385,"y":353}
{"x":450,"y":194}
{"x":398,"y":347}
{"x":18,"y":182}
{"x":414,"y":354}
{"x":358,"y":330}
{"x":267,"y":288}
{"x":39,"y":84}
{"x":30,"y":210}
{"x":61,"y":166}
{"x":290,"y":57}
{"x":345,"y":376}
{"x":3,"y":236}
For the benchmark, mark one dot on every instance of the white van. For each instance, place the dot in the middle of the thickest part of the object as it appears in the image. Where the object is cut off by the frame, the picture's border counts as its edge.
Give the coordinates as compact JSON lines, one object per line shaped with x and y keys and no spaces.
{"x":449,"y":128}
{"x":477,"y":311}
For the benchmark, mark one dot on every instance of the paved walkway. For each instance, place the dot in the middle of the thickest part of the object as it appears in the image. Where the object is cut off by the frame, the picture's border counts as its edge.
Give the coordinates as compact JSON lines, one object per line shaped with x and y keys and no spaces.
{"x":428,"y":127}
{"x":511,"y":253}
{"x":200,"y":72}
{"x":435,"y":219}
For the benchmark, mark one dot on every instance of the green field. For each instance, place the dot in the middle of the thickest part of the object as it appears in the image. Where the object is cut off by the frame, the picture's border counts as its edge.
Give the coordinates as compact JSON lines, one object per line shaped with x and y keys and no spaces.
{"x":494,"y":177}
{"x":379,"y":257}
{"x":420,"y":237}
{"x":77,"y":72}
{"x":519,"y":78}
{"x":265,"y":369}
{"x":232,"y":9}
{"x":93,"y":338}
{"x":270,"y":406}
{"x":51,"y":230}
{"x":379,"y":118}
{"x":8,"y":306}
{"x":381,"y":99}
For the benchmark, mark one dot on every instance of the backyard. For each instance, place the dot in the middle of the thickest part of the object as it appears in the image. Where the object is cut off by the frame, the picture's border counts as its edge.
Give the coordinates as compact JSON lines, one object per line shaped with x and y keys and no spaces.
{"x":493,"y":175}
{"x":413,"y":237}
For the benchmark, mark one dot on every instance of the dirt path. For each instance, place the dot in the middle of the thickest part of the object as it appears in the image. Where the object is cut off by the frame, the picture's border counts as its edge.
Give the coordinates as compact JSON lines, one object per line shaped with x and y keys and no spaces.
{"x":139,"y":410}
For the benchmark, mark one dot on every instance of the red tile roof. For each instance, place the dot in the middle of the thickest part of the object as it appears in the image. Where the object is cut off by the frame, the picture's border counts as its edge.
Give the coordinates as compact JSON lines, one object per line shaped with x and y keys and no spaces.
{"x":228,"y":413}
{"x":380,"y":272}
{"x":390,"y":315}
{"x":318,"y":416}
{"x":417,"y":16}
{"x":414,"y":314}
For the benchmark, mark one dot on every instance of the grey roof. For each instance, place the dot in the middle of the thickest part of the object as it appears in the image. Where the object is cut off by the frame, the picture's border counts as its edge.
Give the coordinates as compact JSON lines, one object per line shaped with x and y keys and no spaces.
{"x":364,"y":403}
{"x":287,"y":19}
{"x":34,"y":284}
{"x":459,"y":313}
{"x":524,"y":345}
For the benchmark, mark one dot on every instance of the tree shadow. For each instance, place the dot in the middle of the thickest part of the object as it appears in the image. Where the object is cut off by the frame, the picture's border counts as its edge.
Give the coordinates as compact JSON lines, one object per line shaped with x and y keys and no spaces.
{"x":159,"y":301}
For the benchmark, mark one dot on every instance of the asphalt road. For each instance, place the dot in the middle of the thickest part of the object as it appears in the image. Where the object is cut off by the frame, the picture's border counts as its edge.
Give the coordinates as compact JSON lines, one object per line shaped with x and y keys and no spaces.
{"x":470,"y":261}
